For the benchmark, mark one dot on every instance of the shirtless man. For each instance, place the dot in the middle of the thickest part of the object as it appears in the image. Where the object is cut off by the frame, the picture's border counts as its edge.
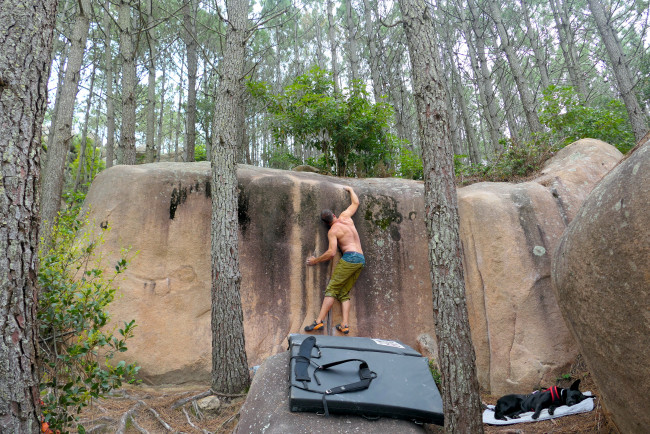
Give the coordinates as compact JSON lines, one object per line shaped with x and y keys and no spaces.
{"x":343,"y":234}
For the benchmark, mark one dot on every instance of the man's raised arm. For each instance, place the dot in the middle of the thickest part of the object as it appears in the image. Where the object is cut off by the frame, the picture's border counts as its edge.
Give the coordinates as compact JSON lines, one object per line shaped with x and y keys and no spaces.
{"x":349,"y":212}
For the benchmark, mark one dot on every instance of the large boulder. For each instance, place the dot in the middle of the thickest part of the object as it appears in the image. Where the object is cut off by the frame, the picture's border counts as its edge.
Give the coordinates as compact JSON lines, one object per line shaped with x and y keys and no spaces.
{"x":509,"y":232}
{"x":163,"y":211}
{"x":601,"y":276}
{"x":267,"y":409}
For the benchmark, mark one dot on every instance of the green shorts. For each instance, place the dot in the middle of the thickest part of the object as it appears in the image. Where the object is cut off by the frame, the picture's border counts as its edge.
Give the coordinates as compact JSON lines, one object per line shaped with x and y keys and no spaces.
{"x":344,"y":276}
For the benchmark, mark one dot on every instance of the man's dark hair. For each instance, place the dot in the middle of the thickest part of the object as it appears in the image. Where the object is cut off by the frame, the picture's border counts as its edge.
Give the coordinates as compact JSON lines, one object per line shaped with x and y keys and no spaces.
{"x":327,"y":216}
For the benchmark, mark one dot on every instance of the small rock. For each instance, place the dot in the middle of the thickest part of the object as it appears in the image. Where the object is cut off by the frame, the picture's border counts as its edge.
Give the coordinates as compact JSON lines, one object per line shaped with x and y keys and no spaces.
{"x":210,"y":404}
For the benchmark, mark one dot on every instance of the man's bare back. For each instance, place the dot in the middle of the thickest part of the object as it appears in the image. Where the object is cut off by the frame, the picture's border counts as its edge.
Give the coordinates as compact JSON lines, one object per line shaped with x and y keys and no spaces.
{"x":346,"y":235}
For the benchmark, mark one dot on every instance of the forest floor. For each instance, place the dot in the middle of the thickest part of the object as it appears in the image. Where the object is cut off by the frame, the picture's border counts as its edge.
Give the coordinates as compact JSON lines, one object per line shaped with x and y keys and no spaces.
{"x":151,"y":408}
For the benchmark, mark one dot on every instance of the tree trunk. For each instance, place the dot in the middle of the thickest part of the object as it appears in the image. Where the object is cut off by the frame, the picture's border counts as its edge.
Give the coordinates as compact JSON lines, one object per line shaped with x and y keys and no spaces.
{"x":533,"y":37}
{"x":332,"y":37}
{"x":57,"y":99}
{"x":53,"y":172}
{"x":483,"y":74}
{"x":460,"y":391}
{"x":159,"y":139}
{"x":470,"y":133}
{"x":352,"y":41}
{"x":189,"y":22}
{"x":25,"y":49}
{"x":229,"y":362}
{"x":515,"y":66}
{"x":84,"y":132}
{"x":563,"y":26}
{"x":180,"y":106}
{"x":371,"y":34}
{"x":108,"y":78}
{"x":126,"y":146}
{"x":150,"y":153}
{"x":618,"y":63}
{"x":506,"y":95}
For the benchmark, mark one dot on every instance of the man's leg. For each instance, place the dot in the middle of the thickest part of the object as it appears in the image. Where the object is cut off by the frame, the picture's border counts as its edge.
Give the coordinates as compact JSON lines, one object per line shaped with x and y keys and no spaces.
{"x":328,"y":302}
{"x":345,"y":307}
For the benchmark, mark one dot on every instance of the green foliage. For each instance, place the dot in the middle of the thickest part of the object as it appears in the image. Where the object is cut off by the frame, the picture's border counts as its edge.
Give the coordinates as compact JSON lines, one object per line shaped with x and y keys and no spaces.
{"x":280,"y":159}
{"x":347,"y":127}
{"x":87,"y":163}
{"x":435,"y":372}
{"x":410,"y":164}
{"x":200,"y":153}
{"x":76,"y":346}
{"x":517,"y":161}
{"x":569,"y":120}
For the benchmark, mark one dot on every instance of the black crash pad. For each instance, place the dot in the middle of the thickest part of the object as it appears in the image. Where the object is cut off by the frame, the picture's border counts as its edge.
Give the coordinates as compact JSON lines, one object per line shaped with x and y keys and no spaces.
{"x":403,"y":387}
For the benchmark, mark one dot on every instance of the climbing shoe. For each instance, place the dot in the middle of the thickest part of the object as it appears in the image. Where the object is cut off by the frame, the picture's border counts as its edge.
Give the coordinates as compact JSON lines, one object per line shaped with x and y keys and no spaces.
{"x":314,"y":326}
{"x":343,"y":329}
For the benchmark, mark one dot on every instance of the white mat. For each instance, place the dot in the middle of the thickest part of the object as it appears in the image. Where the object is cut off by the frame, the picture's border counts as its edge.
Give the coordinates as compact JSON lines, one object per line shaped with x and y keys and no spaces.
{"x":581,"y":407}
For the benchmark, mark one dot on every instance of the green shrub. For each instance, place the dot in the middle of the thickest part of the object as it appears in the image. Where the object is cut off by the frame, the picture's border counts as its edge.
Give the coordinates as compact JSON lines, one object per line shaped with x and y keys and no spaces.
{"x":76,"y":347}
{"x":435,"y":372}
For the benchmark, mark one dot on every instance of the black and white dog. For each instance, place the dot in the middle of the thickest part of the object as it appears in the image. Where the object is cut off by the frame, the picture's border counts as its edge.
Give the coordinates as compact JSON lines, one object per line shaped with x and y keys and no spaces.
{"x":513,"y":405}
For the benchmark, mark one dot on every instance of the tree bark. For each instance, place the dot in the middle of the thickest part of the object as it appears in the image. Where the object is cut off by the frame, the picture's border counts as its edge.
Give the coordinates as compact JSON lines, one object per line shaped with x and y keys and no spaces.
{"x":150,"y":153}
{"x":523,"y":88}
{"x":482,"y":73}
{"x":352,"y":41}
{"x":460,"y":391}
{"x":108,"y":78}
{"x":533,"y":37}
{"x":189,"y":23}
{"x":371,"y":34}
{"x":331,"y":32}
{"x":126,"y":147}
{"x":84,"y":132}
{"x":180,"y":107}
{"x":470,"y":133}
{"x":53,"y":172}
{"x":25,"y":49}
{"x":618,"y":63}
{"x":563,"y":26}
{"x":159,"y":139}
{"x":229,"y":362}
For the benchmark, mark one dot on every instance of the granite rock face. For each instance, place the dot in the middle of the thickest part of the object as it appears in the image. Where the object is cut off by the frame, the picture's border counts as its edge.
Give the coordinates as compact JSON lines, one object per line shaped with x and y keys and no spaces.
{"x":601,"y":276}
{"x":508,"y":231}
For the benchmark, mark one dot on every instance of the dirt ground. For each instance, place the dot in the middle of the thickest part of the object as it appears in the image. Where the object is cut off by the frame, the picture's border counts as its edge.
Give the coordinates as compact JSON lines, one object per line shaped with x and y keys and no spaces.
{"x":139,"y":409}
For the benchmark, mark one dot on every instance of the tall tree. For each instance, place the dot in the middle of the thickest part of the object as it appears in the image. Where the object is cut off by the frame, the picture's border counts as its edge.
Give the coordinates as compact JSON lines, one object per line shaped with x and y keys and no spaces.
{"x":352,"y":40}
{"x":189,"y":24}
{"x":460,"y":391}
{"x":618,"y":63}
{"x":476,"y":44}
{"x":150,"y":139}
{"x":331,"y":33}
{"x":108,"y":82}
{"x":25,"y":48}
{"x":229,"y":362}
{"x":126,"y":147}
{"x":514,"y":62}
{"x":84,"y":130}
{"x":538,"y":51}
{"x":567,"y":45}
{"x":53,"y":172}
{"x":371,"y":35}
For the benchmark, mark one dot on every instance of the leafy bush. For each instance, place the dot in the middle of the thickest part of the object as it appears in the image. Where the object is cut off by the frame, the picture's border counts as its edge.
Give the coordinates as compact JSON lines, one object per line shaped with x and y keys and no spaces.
{"x":517,"y":161}
{"x":72,"y":318}
{"x":570,"y":120}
